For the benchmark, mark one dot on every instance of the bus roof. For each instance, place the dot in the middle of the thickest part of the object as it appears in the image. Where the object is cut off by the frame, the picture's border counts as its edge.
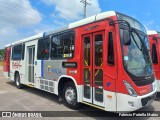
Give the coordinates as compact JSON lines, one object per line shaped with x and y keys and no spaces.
{"x":26,"y":39}
{"x":70,"y":26}
{"x":152,"y":32}
{"x":84,"y":21}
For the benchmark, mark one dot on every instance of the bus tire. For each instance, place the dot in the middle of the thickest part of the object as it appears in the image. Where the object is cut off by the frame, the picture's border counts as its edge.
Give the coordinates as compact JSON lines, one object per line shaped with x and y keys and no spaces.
{"x":70,"y":96}
{"x":17,"y":81}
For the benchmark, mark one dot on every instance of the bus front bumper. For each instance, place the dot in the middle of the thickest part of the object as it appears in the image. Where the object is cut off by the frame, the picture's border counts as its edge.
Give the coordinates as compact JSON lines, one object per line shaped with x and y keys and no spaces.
{"x":158,"y":85}
{"x":127,"y":103}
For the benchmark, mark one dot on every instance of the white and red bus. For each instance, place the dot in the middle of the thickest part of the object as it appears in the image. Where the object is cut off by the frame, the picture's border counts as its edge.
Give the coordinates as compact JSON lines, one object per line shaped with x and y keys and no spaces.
{"x":102,"y":61}
{"x":154,"y":40}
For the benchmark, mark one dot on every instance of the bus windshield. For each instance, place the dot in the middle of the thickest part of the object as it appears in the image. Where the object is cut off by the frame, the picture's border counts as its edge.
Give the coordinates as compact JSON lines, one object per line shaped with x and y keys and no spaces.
{"x":136,"y":56}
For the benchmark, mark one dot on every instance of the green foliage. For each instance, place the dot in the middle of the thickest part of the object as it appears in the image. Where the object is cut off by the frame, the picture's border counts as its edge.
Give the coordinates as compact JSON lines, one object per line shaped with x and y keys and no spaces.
{"x":1,"y":53}
{"x":1,"y":63}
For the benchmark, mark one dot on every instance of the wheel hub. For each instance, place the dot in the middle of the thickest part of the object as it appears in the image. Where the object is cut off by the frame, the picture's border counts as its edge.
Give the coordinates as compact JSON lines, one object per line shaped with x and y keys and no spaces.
{"x":70,"y":95}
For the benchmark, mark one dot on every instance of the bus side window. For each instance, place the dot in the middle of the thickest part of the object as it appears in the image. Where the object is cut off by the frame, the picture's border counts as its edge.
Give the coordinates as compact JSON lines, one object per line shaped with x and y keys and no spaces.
{"x":62,"y":46}
{"x":110,"y":59}
{"x":17,"y":52}
{"x":43,"y":49}
{"x":154,"y":54}
{"x":67,"y":43}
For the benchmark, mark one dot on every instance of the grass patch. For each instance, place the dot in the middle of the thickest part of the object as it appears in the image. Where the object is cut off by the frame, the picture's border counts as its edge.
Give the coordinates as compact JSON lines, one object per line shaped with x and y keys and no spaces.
{"x":1,"y":63}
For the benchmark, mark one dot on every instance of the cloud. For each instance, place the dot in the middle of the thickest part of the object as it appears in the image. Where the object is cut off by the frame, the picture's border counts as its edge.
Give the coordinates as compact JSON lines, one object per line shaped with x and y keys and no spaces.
{"x":14,"y":16}
{"x":73,"y":9}
{"x":42,"y":28}
{"x":7,"y":34}
{"x":59,"y":23}
{"x":18,"y":18}
{"x":18,"y":13}
{"x":7,"y":30}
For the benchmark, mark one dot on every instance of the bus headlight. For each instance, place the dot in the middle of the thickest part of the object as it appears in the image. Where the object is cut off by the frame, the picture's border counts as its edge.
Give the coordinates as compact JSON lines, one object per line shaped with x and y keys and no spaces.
{"x":130,"y":89}
{"x":153,"y":86}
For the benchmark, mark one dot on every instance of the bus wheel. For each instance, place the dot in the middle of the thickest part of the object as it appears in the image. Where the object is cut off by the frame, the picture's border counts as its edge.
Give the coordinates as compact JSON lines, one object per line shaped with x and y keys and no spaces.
{"x":17,"y":81}
{"x":70,"y":96}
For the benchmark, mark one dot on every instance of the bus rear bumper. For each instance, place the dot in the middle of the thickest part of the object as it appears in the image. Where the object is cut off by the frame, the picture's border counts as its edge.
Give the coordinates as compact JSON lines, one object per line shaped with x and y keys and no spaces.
{"x":127,"y":103}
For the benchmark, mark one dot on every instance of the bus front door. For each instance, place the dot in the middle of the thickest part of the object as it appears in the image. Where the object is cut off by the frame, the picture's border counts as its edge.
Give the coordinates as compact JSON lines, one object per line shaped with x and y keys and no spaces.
{"x":92,"y":68}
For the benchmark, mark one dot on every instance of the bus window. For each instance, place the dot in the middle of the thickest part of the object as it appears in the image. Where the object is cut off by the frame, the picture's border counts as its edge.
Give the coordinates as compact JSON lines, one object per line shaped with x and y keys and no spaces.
{"x":87,"y":77}
{"x":154,"y":54}
{"x":110,"y":49}
{"x":43,"y":49}
{"x":17,"y":52}
{"x":62,"y":46}
{"x":87,"y":51}
{"x":99,"y":82}
{"x":98,"y":73}
{"x":98,"y":50}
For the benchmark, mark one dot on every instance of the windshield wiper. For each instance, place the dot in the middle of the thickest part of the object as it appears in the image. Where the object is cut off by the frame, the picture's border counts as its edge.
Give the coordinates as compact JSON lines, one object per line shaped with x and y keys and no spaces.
{"x":141,"y":40}
{"x":146,"y":43}
{"x":136,"y":42}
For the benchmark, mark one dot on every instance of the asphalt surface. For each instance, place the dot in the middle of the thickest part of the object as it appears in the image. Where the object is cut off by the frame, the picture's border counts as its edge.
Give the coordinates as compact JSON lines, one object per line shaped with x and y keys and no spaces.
{"x":31,"y":99}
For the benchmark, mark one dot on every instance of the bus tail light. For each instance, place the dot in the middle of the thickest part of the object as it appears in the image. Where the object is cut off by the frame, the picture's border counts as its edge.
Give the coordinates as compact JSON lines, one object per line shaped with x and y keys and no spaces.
{"x":130,"y":89}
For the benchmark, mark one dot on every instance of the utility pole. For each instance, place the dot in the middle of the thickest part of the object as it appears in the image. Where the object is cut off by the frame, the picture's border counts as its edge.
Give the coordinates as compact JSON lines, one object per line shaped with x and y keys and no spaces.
{"x":85,"y":6}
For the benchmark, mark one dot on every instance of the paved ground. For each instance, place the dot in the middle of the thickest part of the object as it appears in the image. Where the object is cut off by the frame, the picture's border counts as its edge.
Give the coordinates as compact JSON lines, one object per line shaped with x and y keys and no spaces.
{"x":30,"y":99}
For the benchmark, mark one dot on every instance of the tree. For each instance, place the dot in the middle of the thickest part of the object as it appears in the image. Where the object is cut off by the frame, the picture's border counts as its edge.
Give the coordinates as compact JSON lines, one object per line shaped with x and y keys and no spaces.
{"x":2,"y":52}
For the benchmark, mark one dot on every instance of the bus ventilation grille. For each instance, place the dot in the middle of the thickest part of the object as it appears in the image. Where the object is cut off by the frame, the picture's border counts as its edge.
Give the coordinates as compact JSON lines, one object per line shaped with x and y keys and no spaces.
{"x":47,"y":85}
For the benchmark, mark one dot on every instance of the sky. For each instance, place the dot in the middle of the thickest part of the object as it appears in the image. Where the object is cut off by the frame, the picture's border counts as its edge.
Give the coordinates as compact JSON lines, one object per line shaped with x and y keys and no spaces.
{"x":24,"y":18}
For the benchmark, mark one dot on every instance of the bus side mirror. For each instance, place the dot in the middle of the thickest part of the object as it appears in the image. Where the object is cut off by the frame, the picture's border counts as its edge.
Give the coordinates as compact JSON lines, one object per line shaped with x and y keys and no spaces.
{"x":126,"y":37}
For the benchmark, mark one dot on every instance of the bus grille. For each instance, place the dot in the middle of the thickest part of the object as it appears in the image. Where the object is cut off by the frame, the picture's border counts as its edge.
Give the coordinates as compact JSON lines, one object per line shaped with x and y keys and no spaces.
{"x":47,"y":85}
